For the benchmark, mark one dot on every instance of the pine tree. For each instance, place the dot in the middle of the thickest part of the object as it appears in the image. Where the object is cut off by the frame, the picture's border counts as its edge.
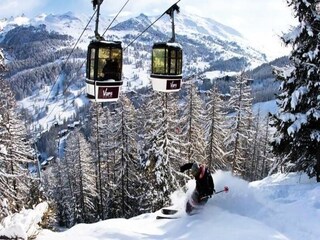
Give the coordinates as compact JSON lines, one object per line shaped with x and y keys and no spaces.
{"x":53,"y":181}
{"x":193,"y":127}
{"x":174,"y":130}
{"x":259,"y":152}
{"x":2,"y":66}
{"x":155,"y":155}
{"x":297,"y":122}
{"x":82,"y":177}
{"x":110,"y":129}
{"x":128,"y":191}
{"x":215,"y":131}
{"x":266,"y":152}
{"x":68,"y":200}
{"x":16,"y":155}
{"x":105,"y":129}
{"x":239,"y":123}
{"x":97,"y":125}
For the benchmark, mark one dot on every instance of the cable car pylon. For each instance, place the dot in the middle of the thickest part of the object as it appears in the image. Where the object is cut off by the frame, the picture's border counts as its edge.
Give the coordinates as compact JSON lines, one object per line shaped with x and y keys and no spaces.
{"x":166,"y":61}
{"x":104,"y":66}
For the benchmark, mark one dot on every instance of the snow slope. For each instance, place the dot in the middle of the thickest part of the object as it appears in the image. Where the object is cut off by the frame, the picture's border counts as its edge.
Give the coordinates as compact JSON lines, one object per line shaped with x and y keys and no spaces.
{"x":280,"y":207}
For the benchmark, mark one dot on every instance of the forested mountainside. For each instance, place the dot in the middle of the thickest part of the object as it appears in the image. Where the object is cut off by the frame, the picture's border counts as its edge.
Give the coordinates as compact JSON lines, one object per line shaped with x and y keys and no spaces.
{"x":41,"y":59}
{"x":37,"y":49}
{"x":264,"y":71}
{"x":264,"y":86}
{"x":36,"y":58}
{"x":262,"y":80}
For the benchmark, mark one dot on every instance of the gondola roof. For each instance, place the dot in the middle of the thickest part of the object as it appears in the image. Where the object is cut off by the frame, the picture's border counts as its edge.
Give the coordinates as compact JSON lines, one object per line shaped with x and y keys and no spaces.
{"x":167,"y":44}
{"x":117,"y":44}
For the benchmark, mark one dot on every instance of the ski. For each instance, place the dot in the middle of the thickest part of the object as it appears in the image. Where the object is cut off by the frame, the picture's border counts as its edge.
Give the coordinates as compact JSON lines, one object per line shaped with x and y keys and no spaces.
{"x":166,"y":217}
{"x":167,"y":211}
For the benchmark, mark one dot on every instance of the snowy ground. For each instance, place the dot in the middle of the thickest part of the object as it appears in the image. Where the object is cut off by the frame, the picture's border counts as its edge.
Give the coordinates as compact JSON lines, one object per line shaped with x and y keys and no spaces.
{"x":280,"y":207}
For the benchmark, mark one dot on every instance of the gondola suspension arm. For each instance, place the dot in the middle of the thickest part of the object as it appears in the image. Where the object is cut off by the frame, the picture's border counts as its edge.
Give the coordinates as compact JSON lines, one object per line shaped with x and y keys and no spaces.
{"x":96,"y":4}
{"x":170,"y":12}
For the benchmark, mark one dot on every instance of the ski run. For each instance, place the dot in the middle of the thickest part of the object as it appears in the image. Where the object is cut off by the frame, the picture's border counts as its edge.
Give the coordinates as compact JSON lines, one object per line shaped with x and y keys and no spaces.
{"x":279,"y":207}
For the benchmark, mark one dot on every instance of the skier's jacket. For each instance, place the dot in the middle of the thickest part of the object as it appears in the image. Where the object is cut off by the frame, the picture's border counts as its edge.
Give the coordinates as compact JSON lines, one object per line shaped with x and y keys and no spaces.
{"x":204,"y":181}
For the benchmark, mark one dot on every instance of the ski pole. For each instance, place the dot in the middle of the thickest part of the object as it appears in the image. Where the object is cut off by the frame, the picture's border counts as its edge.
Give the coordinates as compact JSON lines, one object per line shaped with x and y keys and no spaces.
{"x":225,"y":189}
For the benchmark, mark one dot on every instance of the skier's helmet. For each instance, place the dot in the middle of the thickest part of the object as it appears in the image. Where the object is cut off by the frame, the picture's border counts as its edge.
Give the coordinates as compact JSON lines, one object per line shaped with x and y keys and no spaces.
{"x":195,"y":169}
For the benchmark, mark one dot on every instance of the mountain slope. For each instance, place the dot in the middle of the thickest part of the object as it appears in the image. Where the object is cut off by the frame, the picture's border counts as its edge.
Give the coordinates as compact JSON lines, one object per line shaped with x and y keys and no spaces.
{"x":213,"y":36}
{"x":279,"y":207}
{"x":37,"y":50}
{"x":208,"y":45}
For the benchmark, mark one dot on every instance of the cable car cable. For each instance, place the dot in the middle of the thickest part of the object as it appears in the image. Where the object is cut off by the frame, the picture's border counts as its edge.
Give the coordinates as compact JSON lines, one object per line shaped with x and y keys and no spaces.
{"x":151,"y":25}
{"x":65,"y":62}
{"x":69,"y":84}
{"x":48,"y":115}
{"x":115,"y":18}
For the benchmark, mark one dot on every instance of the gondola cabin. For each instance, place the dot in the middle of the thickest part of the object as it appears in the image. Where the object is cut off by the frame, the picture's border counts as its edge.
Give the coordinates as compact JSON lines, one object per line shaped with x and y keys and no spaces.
{"x":166,"y":69}
{"x":104,"y":71}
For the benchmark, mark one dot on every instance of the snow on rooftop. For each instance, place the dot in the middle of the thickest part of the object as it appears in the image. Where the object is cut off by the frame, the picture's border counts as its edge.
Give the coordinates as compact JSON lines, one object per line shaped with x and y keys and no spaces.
{"x":3,"y":149}
{"x":219,"y":74}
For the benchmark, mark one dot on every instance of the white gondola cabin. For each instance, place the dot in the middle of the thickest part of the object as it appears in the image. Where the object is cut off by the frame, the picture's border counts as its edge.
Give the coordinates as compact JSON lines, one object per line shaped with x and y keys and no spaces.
{"x":166,"y":69}
{"x":104,"y":71}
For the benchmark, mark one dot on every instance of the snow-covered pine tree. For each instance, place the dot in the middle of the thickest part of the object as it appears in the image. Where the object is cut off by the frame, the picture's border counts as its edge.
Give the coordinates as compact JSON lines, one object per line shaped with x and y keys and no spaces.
{"x":86,"y":179}
{"x":254,"y":152}
{"x":16,"y":155}
{"x":239,"y":125}
{"x":97,"y":127}
{"x":53,"y":182}
{"x":106,"y":144}
{"x":266,"y":155}
{"x":155,"y":155}
{"x":175,"y":136}
{"x":77,"y":153}
{"x":129,"y":180}
{"x":192,"y":125}
{"x":111,"y":154}
{"x":297,"y":122}
{"x":2,"y":66}
{"x":215,"y":131}
{"x":144,"y":129}
{"x":68,"y":200}
{"x":61,"y":188}
{"x":260,"y":150}
{"x":173,"y":128}
{"x":4,"y":203}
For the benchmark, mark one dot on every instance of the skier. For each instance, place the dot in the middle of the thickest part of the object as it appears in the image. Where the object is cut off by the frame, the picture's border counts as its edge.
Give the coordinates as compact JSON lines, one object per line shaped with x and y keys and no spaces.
{"x":204,"y":185}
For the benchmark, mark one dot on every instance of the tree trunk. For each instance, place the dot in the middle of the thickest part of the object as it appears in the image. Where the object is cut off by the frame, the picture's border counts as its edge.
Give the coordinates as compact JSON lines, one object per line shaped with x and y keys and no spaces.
{"x":317,"y":166}
{"x":317,"y":169}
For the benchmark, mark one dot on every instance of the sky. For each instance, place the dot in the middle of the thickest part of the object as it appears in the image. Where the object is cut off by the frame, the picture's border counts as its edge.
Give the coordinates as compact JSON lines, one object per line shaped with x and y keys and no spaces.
{"x":279,"y":207}
{"x":259,"y":21}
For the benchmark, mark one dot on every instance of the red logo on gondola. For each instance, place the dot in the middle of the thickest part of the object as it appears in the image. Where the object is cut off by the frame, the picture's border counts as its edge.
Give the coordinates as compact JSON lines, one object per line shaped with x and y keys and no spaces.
{"x":173,"y":84}
{"x":108,"y":92}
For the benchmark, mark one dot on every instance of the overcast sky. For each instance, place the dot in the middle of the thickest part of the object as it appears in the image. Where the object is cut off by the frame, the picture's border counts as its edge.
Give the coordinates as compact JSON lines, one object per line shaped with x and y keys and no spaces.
{"x":259,"y":21}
